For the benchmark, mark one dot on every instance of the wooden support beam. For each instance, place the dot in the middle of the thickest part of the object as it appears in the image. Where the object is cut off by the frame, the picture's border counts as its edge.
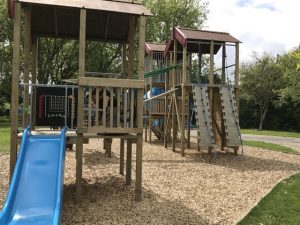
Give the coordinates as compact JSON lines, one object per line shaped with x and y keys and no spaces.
{"x":223,"y":76}
{"x":122,"y":156}
{"x":211,"y":63}
{"x":125,"y":108}
{"x":104,"y":108}
{"x":139,"y":146}
{"x":90,"y":108}
{"x":79,"y":151}
{"x":165,"y":124}
{"x":211,"y":82}
{"x":124,"y":61}
{"x":128,"y":161}
{"x":111,"y":113}
{"x":237,"y":75}
{"x":139,"y":155}
{"x":34,"y":63}
{"x":132,"y":109}
{"x":110,"y":82}
{"x":34,"y":58}
{"x":118,"y":108}
{"x":174,"y":129}
{"x":15,"y":87}
{"x":183,"y":101}
{"x":199,"y":64}
{"x":141,"y":71}
{"x":96,"y":108}
{"x":27,"y":47}
{"x":150,"y":95}
{"x":188,"y":121}
{"x":131,"y":47}
{"x":80,"y":114}
{"x":109,"y":130}
{"x":236,"y":82}
{"x":107,"y":142}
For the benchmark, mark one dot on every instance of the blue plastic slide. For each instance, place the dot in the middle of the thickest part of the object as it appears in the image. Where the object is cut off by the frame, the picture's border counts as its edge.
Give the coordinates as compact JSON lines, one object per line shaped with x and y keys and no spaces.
{"x":36,"y":189}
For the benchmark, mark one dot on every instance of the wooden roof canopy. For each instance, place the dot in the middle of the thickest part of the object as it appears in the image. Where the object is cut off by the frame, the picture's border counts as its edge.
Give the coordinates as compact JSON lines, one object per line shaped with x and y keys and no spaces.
{"x":154,"y":47}
{"x":107,"y":20}
{"x":194,"y":38}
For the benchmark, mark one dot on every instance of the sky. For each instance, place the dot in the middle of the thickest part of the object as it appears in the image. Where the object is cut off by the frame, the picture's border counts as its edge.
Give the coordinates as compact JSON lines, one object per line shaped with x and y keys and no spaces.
{"x":270,"y":26}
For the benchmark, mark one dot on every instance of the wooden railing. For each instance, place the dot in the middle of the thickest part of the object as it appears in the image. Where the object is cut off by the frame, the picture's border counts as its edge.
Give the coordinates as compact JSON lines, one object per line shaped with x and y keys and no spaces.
{"x":157,"y":106}
{"x":110,"y":105}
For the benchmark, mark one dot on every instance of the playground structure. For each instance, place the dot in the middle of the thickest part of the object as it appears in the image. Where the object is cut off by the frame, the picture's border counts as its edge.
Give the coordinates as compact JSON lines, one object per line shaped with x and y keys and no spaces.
{"x":113,"y":109}
{"x":215,"y":105}
{"x":110,"y":106}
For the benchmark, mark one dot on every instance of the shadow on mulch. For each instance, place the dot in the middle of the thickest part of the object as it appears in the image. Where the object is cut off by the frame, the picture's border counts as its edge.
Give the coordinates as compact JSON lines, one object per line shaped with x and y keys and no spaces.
{"x":110,"y":201}
{"x":99,"y":157}
{"x":228,"y":160}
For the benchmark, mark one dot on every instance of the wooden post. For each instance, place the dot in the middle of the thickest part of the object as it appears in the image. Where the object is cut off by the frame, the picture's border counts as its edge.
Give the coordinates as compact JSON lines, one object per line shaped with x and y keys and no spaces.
{"x":107,"y":142}
{"x":124,"y":61}
{"x":128,"y":161}
{"x":139,"y":146}
{"x":131,"y":47}
{"x":122,"y":156}
{"x":34,"y":63}
{"x":199,"y":65}
{"x":237,"y":75}
{"x":184,"y":79}
{"x":211,"y":81}
{"x":211,"y":63}
{"x":223,"y":77}
{"x":15,"y":87}
{"x":80,"y":114}
{"x":223,"y":81}
{"x":188,"y":103}
{"x":27,"y":43}
{"x":167,"y":77}
{"x":236,"y":82}
{"x":174,"y":130}
{"x":150,"y":95}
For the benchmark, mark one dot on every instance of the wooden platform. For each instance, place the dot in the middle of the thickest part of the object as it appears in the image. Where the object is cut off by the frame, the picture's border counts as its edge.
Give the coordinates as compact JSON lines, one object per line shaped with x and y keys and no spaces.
{"x":72,"y":135}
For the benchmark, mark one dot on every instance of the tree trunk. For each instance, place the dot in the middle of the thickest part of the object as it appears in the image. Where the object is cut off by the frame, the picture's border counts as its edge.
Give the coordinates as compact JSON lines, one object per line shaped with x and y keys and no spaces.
{"x":263,"y":113}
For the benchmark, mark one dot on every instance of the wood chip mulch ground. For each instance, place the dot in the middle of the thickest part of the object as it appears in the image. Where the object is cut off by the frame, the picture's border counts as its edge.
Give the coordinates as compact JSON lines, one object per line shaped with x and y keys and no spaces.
{"x":176,"y":190}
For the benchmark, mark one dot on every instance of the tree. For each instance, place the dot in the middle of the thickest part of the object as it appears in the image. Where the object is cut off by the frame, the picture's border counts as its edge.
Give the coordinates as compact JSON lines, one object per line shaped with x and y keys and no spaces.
{"x":6,"y":28}
{"x":170,"y":13}
{"x":290,"y":65}
{"x":260,"y":82}
{"x":58,"y":59}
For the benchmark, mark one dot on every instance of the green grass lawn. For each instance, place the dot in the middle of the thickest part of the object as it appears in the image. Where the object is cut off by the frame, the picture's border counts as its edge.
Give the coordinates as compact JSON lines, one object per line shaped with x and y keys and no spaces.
{"x":270,"y":146}
{"x":271,"y":133}
{"x":280,"y":207}
{"x":4,"y":135}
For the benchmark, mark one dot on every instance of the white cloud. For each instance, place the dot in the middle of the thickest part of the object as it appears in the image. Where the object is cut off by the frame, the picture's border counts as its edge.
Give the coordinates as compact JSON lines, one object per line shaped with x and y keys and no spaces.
{"x":262,"y":25}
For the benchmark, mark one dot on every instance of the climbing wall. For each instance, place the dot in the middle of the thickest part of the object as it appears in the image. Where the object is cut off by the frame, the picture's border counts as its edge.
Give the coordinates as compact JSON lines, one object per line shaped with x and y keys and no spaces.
{"x":203,"y":116}
{"x":230,"y":116}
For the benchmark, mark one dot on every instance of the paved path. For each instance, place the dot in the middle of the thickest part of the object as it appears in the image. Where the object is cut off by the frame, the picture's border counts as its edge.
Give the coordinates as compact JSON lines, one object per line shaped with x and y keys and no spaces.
{"x":293,"y":143}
